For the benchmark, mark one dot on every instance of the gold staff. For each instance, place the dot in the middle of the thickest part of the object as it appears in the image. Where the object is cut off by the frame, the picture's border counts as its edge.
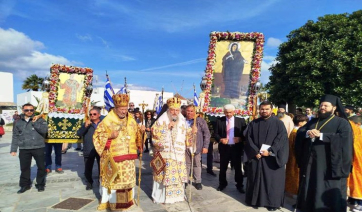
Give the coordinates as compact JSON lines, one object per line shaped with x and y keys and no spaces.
{"x":143,"y":105}
{"x":193,"y":150}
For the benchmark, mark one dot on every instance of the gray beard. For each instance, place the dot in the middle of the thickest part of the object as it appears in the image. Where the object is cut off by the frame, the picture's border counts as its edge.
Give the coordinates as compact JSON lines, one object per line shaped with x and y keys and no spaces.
{"x":172,"y":118}
{"x":280,"y":114}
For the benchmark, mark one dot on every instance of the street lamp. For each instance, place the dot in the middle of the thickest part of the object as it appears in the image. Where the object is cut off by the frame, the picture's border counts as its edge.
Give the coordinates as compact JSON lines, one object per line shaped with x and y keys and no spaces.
{"x":45,"y":85}
{"x":89,"y":90}
{"x":203,"y":83}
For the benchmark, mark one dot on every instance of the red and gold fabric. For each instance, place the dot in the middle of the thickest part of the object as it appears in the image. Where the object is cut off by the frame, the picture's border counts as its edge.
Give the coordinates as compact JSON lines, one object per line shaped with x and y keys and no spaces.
{"x":354,"y":180}
{"x":117,"y":156}
{"x":124,"y":199}
{"x":292,"y":170}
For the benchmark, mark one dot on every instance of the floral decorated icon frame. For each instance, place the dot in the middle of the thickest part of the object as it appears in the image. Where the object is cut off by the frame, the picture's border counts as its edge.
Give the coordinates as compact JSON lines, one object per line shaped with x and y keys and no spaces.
{"x":63,"y":121}
{"x":55,"y":86}
{"x":211,"y":70}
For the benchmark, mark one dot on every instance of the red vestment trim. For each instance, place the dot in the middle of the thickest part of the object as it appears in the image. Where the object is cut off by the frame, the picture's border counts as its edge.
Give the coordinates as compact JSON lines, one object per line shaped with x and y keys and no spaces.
{"x":108,"y":144}
{"x":125,"y":157}
{"x":124,"y":205}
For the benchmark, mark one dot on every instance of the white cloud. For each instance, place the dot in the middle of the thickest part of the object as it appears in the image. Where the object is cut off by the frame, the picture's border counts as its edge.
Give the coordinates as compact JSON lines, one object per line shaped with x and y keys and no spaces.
{"x":20,"y":55}
{"x":84,"y":38}
{"x":121,"y":57}
{"x":105,"y":43}
{"x":13,"y":42}
{"x":176,"y":64}
{"x":273,"y":42}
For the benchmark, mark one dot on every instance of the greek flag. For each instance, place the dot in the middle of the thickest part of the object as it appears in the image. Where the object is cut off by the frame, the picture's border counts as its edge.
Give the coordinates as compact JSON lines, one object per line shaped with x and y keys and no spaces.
{"x":159,"y":105}
{"x":108,"y":93}
{"x":123,"y":90}
{"x":196,"y":99}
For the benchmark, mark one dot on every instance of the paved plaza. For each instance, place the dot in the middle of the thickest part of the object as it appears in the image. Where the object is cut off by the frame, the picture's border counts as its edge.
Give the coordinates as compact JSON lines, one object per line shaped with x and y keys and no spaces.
{"x":71,"y":183}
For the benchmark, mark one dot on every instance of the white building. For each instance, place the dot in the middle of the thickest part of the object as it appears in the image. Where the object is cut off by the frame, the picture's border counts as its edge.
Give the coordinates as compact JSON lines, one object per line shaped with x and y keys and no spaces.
{"x":7,"y":105}
{"x":28,"y":97}
{"x":6,"y":87}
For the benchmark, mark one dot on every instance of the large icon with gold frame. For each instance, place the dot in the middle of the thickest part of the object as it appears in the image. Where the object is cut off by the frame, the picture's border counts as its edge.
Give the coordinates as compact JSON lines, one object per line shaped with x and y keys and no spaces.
{"x":233,"y":68}
{"x":68,"y":89}
{"x":68,"y":102}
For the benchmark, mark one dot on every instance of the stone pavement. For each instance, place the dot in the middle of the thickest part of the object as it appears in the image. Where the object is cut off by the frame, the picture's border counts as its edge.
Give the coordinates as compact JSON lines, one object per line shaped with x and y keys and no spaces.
{"x":59,"y":187}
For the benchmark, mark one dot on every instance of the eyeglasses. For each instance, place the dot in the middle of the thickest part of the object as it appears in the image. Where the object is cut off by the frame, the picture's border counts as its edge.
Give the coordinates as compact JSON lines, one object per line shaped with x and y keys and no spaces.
{"x":28,"y":110}
{"x":93,"y":114}
{"x":131,"y":105}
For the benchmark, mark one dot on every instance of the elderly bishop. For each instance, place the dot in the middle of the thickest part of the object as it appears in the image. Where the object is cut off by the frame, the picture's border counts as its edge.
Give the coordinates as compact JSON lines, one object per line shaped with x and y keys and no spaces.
{"x":169,"y":140}
{"x":116,"y":140}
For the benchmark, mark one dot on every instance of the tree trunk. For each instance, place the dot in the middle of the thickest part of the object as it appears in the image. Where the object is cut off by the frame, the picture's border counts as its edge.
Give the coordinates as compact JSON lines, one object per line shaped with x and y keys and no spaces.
{"x":291,"y":107}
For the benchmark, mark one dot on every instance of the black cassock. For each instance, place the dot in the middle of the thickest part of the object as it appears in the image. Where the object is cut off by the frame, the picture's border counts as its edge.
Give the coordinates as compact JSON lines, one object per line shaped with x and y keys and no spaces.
{"x":324,"y":165}
{"x":266,"y":176}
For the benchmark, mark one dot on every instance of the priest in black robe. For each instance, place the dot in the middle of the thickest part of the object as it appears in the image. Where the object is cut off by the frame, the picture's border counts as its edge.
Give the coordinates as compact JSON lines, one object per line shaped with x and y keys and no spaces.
{"x":266,"y":166}
{"x":324,"y":154}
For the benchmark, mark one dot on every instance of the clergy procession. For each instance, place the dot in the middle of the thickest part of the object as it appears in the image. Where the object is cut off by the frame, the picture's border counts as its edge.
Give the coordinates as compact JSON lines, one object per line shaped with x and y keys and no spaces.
{"x":292,"y":144}
{"x":312,"y":163}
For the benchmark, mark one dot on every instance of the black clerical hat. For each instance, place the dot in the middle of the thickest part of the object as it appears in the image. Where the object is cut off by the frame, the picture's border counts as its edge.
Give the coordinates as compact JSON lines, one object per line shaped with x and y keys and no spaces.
{"x":336,"y":101}
{"x":282,"y":105}
{"x":163,"y":110}
{"x":350,"y":107}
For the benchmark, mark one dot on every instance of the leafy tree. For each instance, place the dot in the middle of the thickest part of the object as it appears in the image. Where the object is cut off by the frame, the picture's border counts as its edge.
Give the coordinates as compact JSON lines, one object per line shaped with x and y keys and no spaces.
{"x":322,"y":57}
{"x":33,"y":82}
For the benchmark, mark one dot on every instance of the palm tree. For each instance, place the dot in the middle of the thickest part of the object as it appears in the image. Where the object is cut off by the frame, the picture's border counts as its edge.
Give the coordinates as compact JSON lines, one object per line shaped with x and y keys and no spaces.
{"x":33,"y":82}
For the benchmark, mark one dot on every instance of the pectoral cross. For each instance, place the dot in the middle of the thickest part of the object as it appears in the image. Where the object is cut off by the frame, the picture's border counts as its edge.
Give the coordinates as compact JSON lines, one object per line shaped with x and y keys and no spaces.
{"x":183,"y":128}
{"x":64,"y":124}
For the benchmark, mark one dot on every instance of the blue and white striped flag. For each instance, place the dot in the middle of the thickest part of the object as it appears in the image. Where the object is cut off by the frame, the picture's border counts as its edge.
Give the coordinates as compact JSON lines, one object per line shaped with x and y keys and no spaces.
{"x":159,"y":105}
{"x":123,"y":90}
{"x":196,"y":99}
{"x":108,"y":93}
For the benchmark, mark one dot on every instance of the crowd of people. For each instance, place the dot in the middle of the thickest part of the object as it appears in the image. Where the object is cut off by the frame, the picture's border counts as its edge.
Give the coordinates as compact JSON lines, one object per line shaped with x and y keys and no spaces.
{"x":306,"y":156}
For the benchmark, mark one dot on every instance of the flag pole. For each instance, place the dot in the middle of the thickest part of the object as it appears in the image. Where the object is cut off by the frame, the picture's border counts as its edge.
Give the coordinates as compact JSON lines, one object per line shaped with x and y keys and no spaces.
{"x":143,"y":105}
{"x":162,"y":96}
{"x":192,"y":150}
{"x":109,"y":82}
{"x":126,"y":86}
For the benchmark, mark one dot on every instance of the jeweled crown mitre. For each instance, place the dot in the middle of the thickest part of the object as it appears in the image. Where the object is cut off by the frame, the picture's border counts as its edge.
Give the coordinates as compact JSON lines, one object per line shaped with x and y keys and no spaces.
{"x":174,"y":102}
{"x":120,"y":100}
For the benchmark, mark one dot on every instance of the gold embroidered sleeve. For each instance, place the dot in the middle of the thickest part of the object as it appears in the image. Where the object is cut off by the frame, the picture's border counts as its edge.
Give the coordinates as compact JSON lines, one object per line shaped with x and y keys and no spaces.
{"x":100,"y":138}
{"x":190,"y":138}
{"x":139,"y":140}
{"x":159,"y":135}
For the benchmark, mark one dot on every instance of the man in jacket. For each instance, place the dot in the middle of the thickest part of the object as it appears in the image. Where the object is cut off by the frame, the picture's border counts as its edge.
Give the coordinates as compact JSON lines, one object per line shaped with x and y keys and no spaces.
{"x":229,"y":133}
{"x":201,"y":146}
{"x":29,"y":134}
{"x":89,"y":152}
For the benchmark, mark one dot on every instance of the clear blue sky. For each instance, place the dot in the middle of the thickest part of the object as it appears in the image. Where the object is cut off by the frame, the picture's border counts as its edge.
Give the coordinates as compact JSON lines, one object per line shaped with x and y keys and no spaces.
{"x":152,"y":43}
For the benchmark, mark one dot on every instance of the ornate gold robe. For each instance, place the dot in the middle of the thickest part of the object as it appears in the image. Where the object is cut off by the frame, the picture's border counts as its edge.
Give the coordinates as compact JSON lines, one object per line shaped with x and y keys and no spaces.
{"x":172,"y":145}
{"x":117,"y":156}
{"x":292,"y":170}
{"x":354,"y":179}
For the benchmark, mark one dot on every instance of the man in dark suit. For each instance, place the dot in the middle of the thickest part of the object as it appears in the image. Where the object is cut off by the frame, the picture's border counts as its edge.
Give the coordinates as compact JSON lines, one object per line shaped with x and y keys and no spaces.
{"x":229,"y":133}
